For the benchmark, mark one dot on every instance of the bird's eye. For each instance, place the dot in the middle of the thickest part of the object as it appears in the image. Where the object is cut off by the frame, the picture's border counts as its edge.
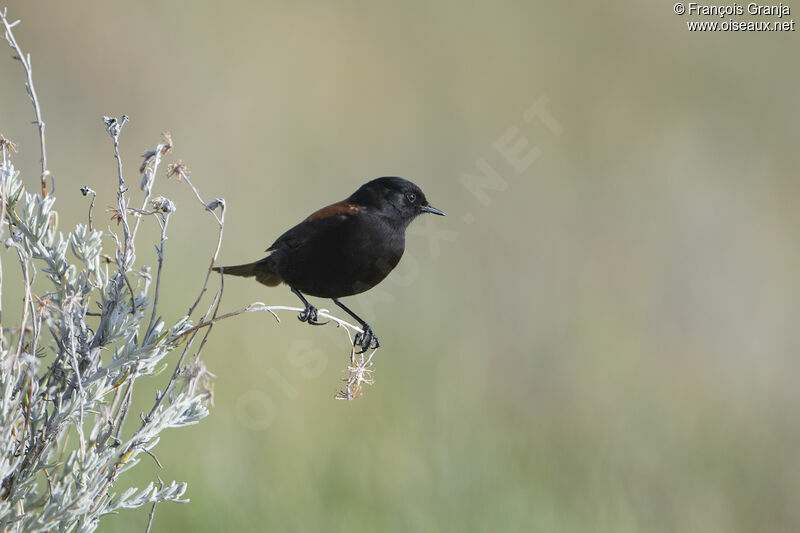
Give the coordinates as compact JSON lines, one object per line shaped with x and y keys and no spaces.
{"x":411,"y":197}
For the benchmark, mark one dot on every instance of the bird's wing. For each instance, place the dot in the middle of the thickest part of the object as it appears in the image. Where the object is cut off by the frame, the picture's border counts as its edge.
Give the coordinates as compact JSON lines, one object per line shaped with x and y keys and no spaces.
{"x":319,"y":221}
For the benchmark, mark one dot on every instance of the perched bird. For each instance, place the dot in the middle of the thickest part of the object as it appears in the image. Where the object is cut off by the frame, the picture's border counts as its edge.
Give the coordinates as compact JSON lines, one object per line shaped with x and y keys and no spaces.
{"x":343,"y":249}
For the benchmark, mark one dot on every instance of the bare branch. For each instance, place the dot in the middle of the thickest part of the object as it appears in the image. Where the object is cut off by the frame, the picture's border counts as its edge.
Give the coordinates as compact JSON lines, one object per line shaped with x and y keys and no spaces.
{"x":153,"y":508}
{"x":26,"y":64}
{"x":182,"y":172}
{"x":23,"y":260}
{"x":160,"y":252}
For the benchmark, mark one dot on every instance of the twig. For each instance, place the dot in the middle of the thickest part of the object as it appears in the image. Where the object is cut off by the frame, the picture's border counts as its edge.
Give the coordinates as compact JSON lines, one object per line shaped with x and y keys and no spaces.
{"x":124,"y":407}
{"x":153,"y":508}
{"x":177,"y":371}
{"x":151,"y":516}
{"x":85,"y":190}
{"x":149,"y":169}
{"x":258,"y":307}
{"x":3,"y":197}
{"x":164,"y":220}
{"x":215,"y":306}
{"x":26,"y":64}
{"x":182,"y":171}
{"x":23,"y":260}
{"x":151,"y":454}
{"x":78,"y":379}
{"x":2,"y":335}
{"x":114,"y":128}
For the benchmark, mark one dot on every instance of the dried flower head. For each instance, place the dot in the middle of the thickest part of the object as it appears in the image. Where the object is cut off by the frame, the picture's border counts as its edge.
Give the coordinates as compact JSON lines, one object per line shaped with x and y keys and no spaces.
{"x":361,"y":369}
{"x":116,"y":214}
{"x":163,"y":205}
{"x":7,"y":145}
{"x":114,"y":125}
{"x":167,"y":148}
{"x":215,"y":203}
{"x":178,"y":169}
{"x":162,"y":149}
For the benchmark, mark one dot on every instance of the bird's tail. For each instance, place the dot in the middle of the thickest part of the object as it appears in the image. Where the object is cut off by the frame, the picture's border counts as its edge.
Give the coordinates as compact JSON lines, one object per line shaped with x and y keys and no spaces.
{"x":264,"y":271}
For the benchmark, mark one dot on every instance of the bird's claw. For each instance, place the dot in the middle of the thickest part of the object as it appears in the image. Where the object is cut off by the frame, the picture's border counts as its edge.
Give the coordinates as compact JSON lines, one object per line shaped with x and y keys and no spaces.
{"x":367,"y":340}
{"x":309,"y":315}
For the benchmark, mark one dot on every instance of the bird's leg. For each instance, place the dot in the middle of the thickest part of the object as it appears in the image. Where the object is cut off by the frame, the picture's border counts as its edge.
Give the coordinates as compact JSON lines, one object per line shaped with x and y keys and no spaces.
{"x":309,"y":314}
{"x":366,"y":340}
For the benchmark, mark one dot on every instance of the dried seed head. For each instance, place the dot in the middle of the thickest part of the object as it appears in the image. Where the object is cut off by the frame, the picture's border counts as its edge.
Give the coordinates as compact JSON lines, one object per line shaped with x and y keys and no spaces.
{"x":215,"y":203}
{"x":166,"y":147}
{"x":5,"y":144}
{"x":178,"y":169}
{"x":116,"y":214}
{"x":361,"y":370}
{"x":164,"y":205}
{"x":162,"y":149}
{"x":114,"y":125}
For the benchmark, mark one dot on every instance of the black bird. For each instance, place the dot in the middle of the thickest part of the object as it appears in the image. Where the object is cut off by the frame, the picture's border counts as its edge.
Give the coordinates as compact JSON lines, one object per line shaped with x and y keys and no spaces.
{"x":343,"y":249}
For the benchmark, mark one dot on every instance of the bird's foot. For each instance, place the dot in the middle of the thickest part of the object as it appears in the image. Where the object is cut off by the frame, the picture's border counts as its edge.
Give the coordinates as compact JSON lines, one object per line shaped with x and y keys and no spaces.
{"x":367,"y":340}
{"x":309,"y":315}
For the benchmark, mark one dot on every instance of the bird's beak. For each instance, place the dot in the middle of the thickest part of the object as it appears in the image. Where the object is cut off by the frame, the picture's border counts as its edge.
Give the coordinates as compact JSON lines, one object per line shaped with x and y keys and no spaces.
{"x":431,"y":209}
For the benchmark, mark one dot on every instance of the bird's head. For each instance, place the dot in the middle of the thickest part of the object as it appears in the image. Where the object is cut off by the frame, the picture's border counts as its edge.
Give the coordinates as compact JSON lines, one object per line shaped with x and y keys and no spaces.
{"x":397,"y":198}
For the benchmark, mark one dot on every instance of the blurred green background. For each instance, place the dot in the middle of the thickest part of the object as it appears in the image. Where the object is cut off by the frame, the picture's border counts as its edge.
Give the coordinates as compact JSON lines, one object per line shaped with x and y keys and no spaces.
{"x":605,"y":341}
